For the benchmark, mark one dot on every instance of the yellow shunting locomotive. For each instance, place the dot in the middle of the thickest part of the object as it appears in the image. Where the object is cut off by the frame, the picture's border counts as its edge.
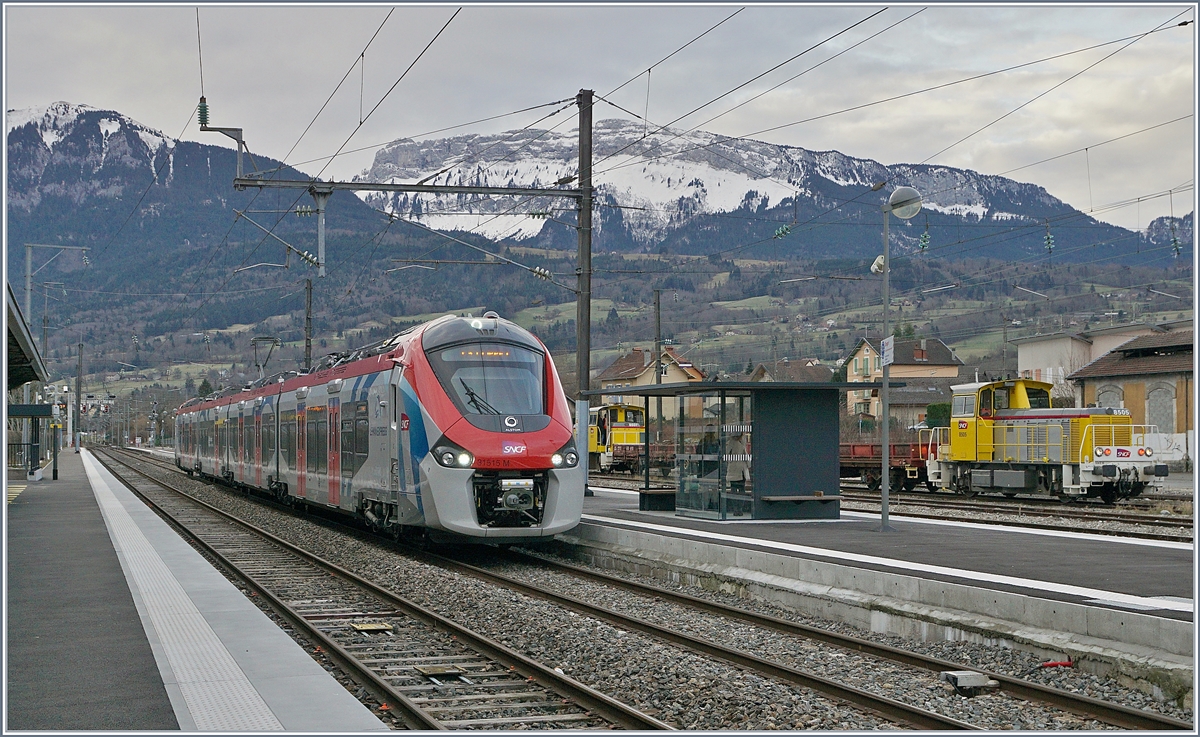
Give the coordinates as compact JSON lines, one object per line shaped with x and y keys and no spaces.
{"x":616,"y":434}
{"x":1005,"y":437}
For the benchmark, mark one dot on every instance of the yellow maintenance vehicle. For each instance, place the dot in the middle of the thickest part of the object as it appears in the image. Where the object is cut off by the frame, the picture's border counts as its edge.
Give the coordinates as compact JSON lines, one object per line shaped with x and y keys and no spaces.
{"x":1004,"y":436}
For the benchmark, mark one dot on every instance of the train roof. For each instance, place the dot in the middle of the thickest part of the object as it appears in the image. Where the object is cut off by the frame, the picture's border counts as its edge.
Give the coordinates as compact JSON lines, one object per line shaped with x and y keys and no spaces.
{"x":976,"y":386}
{"x":441,"y":331}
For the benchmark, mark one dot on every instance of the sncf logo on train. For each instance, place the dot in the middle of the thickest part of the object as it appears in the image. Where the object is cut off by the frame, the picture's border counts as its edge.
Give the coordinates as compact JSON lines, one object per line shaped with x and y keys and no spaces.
{"x":404,"y":423}
{"x":513,"y":449}
{"x":962,"y":424}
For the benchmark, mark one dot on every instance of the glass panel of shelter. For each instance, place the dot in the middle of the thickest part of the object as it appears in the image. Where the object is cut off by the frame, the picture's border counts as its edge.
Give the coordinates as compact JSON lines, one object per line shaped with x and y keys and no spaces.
{"x":713,"y":456}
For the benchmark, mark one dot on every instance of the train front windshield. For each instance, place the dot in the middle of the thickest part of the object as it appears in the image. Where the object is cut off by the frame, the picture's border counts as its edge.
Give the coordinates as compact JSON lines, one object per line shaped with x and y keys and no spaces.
{"x":491,"y":378}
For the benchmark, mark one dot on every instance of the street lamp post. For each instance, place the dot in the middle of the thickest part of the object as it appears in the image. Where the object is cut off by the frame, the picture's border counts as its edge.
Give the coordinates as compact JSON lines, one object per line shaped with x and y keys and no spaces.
{"x":905,"y":202}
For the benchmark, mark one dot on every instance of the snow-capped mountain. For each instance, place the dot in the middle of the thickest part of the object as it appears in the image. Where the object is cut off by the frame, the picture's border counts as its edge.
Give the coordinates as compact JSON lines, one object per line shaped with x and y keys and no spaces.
{"x":103,"y":146}
{"x":652,"y":185}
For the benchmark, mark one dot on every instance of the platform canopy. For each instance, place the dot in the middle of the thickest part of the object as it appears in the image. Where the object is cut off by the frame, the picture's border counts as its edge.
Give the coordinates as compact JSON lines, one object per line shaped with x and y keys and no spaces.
{"x":24,"y":361}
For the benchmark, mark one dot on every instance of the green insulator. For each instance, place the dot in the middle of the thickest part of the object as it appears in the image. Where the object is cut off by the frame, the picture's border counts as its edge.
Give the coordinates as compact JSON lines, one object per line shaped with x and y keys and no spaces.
{"x":203,"y":112}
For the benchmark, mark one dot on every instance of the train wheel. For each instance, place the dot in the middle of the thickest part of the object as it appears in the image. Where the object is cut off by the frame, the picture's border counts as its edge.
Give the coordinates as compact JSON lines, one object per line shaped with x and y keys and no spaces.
{"x":930,"y":486}
{"x":910,"y":484}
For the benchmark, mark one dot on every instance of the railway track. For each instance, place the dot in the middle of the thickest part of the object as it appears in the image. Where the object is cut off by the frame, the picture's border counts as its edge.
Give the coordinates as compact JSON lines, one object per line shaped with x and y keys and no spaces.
{"x":429,"y":671}
{"x":1082,"y":706}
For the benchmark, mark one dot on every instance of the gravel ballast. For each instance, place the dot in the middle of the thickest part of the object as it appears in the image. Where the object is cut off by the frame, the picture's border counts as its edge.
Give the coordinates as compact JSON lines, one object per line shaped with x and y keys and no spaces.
{"x":675,"y":685}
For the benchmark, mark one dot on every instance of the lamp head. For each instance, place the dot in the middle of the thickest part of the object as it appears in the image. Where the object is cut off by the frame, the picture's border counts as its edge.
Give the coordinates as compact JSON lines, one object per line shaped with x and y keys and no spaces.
{"x":905,"y":202}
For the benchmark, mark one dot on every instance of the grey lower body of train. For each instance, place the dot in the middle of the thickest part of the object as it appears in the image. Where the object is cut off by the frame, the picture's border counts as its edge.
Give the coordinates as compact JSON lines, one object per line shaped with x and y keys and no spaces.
{"x":447,"y":505}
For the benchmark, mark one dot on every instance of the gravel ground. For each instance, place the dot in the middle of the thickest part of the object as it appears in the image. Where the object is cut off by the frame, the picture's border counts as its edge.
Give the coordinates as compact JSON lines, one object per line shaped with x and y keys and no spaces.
{"x":684,"y":689}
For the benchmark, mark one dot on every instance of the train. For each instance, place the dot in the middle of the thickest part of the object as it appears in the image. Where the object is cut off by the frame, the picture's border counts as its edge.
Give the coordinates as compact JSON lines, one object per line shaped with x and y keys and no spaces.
{"x":454,"y":430}
{"x":1004,"y":438}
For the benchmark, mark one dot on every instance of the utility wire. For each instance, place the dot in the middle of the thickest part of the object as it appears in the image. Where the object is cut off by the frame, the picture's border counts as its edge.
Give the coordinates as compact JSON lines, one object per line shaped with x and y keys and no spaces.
{"x":882,"y":101}
{"x":1043,"y":94}
{"x":749,"y":81}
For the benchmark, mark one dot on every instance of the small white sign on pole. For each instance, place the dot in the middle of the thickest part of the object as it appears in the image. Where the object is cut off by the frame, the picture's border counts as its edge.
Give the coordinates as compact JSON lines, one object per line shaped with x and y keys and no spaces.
{"x":888,"y":348}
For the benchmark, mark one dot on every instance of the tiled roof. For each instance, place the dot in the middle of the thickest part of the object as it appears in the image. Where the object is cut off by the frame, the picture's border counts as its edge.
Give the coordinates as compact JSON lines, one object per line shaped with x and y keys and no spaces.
{"x":937,"y":353}
{"x":638,"y":361}
{"x":1158,"y":353}
{"x":628,"y":366}
{"x":921,"y":392}
{"x":792,"y":371}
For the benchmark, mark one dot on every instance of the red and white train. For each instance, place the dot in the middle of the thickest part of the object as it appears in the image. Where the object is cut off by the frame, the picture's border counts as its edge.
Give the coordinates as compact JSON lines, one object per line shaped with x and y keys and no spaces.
{"x":456,"y":429}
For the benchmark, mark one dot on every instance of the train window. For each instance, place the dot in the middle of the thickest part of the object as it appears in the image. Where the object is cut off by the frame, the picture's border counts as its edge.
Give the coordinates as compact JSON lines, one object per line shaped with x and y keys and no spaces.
{"x":1001,"y":399}
{"x":1038,"y":398}
{"x":287,"y":437}
{"x":985,"y":403}
{"x":633,"y":418}
{"x":348,"y":447}
{"x":322,"y":445}
{"x":491,"y":378}
{"x":268,"y":437}
{"x":963,"y":405}
{"x":362,"y":435}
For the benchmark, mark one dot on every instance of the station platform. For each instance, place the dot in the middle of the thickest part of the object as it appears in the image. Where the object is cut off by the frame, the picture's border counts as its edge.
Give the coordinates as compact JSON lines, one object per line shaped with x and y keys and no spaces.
{"x":115,"y":623}
{"x":1122,"y":601}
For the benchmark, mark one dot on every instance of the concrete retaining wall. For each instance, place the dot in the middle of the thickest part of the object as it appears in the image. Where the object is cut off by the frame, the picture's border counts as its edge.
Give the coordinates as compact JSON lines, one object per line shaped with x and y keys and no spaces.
{"x":1151,"y":653}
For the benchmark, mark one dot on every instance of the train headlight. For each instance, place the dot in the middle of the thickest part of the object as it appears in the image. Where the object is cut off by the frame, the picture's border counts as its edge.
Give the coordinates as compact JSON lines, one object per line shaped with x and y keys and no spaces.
{"x":566,"y":457}
{"x":1149,"y":452}
{"x":453,"y":457}
{"x":1141,"y":451}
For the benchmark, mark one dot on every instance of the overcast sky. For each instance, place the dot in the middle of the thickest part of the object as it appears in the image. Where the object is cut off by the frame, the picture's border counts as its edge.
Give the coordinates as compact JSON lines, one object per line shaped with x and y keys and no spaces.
{"x":270,"y":69}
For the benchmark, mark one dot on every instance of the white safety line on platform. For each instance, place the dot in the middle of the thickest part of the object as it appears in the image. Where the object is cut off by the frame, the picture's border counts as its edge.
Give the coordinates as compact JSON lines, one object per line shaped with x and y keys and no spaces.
{"x":908,"y":565}
{"x":1169,"y":544}
{"x":219,"y":696}
{"x":14,"y":491}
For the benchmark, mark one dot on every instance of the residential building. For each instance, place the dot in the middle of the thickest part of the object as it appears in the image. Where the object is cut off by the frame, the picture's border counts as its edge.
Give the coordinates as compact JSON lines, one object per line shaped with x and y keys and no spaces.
{"x":1151,"y":376}
{"x":916,"y":361}
{"x":636,"y":368}
{"x":805,"y":369}
{"x":1054,"y":356}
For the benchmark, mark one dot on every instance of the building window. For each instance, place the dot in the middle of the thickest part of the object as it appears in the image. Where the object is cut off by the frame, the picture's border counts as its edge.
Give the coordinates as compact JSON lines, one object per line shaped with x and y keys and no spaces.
{"x":858,"y":368}
{"x":1110,"y":395}
{"x":1037,"y":374}
{"x":1160,"y":407}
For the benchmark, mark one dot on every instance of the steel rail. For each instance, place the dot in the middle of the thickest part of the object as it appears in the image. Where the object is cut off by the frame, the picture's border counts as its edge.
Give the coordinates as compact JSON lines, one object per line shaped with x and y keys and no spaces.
{"x":413,"y":716}
{"x":601,"y":704}
{"x":888,"y":708}
{"x":1114,"y":714}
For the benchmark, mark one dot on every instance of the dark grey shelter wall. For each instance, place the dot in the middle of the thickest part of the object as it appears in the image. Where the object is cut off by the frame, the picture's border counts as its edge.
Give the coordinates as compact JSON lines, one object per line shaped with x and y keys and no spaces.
{"x":796,"y":442}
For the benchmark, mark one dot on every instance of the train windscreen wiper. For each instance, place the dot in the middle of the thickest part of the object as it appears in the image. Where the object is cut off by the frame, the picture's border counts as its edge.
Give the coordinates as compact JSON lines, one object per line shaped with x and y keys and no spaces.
{"x":481,"y":406}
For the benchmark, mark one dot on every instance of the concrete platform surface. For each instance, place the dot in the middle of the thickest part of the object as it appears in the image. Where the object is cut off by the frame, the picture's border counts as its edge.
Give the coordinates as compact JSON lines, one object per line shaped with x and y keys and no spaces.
{"x":1099,"y":570}
{"x":198,"y":655}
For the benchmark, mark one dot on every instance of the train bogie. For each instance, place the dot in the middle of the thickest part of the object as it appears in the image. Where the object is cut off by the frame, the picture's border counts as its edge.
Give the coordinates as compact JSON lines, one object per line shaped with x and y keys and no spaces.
{"x":458,"y":428}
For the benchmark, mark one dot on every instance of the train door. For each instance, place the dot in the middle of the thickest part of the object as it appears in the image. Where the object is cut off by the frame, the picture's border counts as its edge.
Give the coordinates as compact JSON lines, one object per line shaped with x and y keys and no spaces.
{"x":985,"y":442}
{"x":301,"y":450}
{"x":333,"y":451}
{"x":258,"y":456}
{"x":962,"y":427}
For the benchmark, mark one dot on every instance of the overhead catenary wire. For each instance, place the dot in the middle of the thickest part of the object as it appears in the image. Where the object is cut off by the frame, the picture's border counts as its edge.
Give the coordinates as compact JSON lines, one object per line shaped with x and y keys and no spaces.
{"x":885,"y":100}
{"x":1052,"y":88}
{"x":344,"y":144}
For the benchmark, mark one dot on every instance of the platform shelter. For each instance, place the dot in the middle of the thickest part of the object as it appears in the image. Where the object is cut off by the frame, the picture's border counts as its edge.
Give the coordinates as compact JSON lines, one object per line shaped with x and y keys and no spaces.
{"x":750,"y":450}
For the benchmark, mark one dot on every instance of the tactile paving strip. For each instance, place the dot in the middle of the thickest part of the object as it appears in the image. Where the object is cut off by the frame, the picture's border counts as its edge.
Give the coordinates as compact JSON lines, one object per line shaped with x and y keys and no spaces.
{"x":14,"y":490}
{"x":219,"y":696}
